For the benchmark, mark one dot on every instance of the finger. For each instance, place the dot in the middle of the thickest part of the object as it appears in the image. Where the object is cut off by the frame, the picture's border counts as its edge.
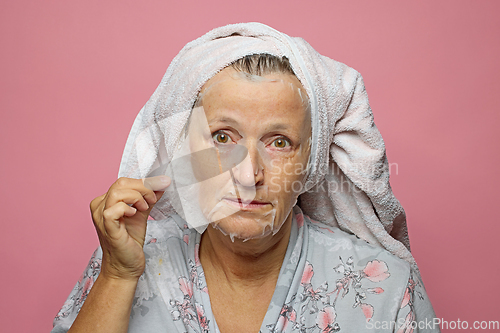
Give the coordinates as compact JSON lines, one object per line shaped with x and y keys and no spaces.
{"x":158,"y":195}
{"x":138,"y":185}
{"x":112,"y":216}
{"x":96,"y":209}
{"x":128,"y":196}
{"x":96,"y":202}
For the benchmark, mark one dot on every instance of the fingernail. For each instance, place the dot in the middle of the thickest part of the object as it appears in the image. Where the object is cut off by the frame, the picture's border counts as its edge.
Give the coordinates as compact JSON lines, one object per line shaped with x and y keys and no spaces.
{"x":165,"y":181}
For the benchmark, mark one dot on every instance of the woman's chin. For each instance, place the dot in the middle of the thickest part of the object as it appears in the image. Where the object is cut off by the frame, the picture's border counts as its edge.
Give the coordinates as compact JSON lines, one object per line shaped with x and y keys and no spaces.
{"x":244,"y":229}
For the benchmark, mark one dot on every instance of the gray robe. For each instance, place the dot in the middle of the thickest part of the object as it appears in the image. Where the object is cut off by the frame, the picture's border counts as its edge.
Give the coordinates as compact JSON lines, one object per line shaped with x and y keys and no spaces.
{"x":330,"y":281}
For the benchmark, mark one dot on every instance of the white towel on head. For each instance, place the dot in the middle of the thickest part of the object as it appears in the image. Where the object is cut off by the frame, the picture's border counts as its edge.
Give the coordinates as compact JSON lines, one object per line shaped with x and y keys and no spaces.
{"x":348,"y":184}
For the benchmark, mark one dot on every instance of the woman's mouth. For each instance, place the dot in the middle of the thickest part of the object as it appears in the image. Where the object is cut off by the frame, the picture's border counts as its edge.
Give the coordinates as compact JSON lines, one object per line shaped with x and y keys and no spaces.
{"x":245,"y":205}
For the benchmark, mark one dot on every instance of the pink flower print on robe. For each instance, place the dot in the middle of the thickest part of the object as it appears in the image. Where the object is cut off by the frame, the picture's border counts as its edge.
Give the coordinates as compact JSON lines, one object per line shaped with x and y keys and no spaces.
{"x":307,"y":275}
{"x":202,"y":319}
{"x":300,"y":220}
{"x":185,"y":238}
{"x":193,"y":270}
{"x":287,"y":315}
{"x":376,"y":271}
{"x":89,"y":282}
{"x":186,"y":287}
{"x":407,"y":301}
{"x":88,"y":278}
{"x":311,"y":296}
{"x":326,"y":320}
{"x":185,"y":310}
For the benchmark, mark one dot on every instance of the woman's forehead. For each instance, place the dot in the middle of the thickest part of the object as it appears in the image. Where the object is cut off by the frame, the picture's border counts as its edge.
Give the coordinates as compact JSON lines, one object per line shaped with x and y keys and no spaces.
{"x":231,"y":86}
{"x":231,"y":76}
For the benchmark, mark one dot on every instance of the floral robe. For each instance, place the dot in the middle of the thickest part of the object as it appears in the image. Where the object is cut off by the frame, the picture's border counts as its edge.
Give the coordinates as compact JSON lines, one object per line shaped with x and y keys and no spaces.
{"x":330,"y":281}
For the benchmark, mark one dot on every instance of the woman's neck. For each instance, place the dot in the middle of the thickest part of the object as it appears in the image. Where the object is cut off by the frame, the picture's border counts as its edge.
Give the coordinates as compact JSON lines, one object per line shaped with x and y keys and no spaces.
{"x":244,"y":264}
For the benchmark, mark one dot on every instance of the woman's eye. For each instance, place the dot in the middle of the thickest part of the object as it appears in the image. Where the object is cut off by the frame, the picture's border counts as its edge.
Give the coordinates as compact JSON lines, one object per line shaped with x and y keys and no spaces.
{"x":281,"y":143}
{"x":220,"y":137}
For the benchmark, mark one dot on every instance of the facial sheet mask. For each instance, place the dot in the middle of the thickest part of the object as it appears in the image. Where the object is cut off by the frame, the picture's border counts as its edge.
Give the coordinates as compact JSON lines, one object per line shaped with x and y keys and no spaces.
{"x":212,"y":182}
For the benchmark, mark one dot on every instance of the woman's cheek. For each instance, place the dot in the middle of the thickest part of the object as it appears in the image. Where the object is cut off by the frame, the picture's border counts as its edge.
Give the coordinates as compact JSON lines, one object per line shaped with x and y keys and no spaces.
{"x":277,"y":177}
{"x":275,"y":184}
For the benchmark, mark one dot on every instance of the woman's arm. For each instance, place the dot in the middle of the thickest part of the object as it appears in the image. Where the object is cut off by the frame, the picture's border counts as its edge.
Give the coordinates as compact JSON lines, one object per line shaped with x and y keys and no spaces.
{"x":107,"y":307}
{"x":120,"y":218}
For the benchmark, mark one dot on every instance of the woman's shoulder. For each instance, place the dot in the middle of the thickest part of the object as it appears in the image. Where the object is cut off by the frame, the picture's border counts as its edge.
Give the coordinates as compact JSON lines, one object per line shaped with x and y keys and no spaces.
{"x":344,"y":252}
{"x":350,"y":273}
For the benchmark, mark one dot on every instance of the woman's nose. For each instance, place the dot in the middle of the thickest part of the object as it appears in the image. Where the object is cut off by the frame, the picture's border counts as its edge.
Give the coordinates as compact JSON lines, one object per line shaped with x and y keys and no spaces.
{"x":249,"y":172}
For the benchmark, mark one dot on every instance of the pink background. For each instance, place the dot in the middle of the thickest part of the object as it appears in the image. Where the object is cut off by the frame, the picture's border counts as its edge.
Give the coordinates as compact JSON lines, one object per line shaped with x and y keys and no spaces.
{"x":75,"y":73}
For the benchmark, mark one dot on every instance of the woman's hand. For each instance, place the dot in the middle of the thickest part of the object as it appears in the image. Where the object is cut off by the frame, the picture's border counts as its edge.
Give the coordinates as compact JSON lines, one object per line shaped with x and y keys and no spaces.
{"x":120,"y":218}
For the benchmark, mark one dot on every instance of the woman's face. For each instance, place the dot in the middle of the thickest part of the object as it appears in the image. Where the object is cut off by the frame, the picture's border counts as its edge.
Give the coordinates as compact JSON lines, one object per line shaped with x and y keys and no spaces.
{"x":267,"y":116}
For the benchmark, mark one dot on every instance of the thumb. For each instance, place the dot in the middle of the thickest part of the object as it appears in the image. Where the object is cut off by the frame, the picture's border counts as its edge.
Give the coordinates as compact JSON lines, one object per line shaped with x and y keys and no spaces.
{"x":157,"y":184}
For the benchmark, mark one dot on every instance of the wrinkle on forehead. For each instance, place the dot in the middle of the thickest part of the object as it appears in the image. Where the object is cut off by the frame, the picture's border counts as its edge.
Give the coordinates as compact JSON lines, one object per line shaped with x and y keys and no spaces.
{"x":232,"y":74}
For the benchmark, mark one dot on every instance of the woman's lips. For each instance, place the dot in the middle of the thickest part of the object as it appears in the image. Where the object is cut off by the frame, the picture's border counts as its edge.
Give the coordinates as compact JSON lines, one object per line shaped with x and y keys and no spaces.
{"x":246,"y":205}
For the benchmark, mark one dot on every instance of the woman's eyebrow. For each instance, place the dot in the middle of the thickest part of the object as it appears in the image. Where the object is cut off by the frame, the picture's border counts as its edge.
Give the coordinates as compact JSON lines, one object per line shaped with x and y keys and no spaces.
{"x":224,"y":120}
{"x":278,"y":127}
{"x":231,"y":121}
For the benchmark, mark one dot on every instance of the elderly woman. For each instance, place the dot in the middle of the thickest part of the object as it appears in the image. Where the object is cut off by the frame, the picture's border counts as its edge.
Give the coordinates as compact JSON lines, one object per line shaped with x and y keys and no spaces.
{"x":267,"y":182}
